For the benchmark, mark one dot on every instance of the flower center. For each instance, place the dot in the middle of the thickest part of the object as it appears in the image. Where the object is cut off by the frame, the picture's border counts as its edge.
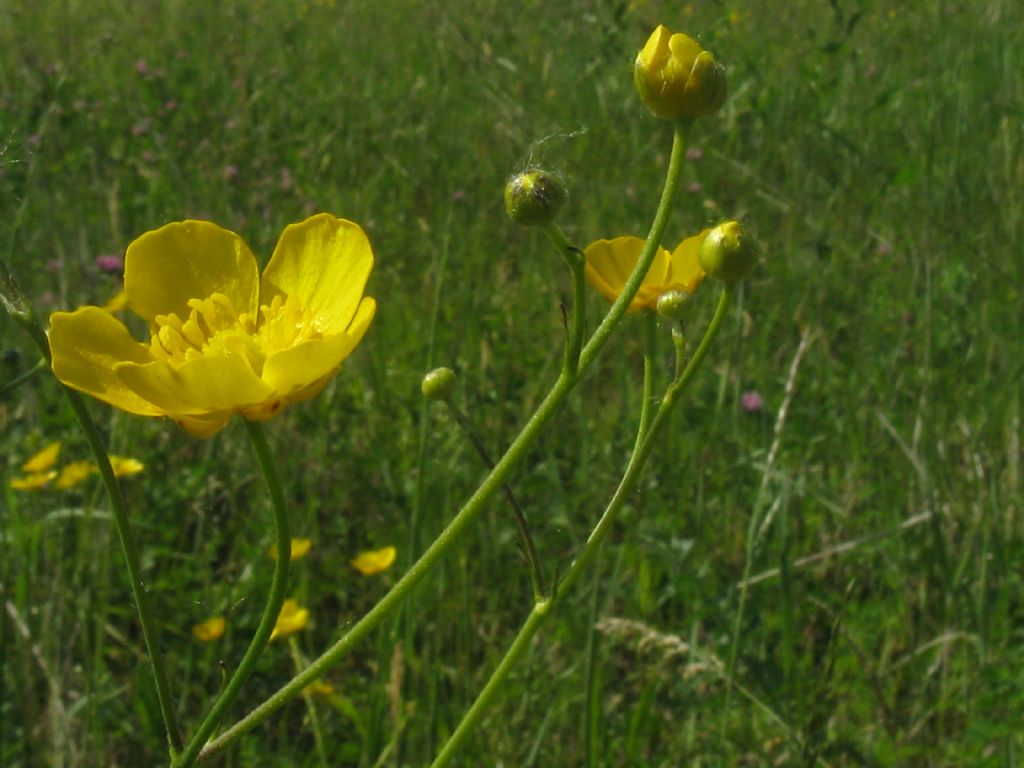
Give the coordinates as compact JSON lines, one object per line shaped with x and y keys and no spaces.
{"x":214,"y":328}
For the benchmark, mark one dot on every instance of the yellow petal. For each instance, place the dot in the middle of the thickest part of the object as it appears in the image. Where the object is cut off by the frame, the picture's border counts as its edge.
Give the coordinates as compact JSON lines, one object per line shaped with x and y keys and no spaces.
{"x":291,"y":619}
{"x":166,"y":267}
{"x":612,"y":260}
{"x":43,"y":460}
{"x":117,"y":302}
{"x":610,"y":263}
{"x":74,"y":473}
{"x":324,"y":262}
{"x":300,"y":548}
{"x":86,"y":345}
{"x":686,"y":271}
{"x":205,"y":425}
{"x":293,"y":369}
{"x":374,"y":561}
{"x":211,"y":629}
{"x":32,"y":482}
{"x":201,"y":386}
{"x":706,"y":87}
{"x":273,"y":407}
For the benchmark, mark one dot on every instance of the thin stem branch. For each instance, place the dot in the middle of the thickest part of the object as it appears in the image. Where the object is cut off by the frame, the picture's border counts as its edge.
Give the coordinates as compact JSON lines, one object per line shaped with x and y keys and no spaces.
{"x":21,"y":378}
{"x":650,"y":350}
{"x":574,"y":259}
{"x":529,"y":548}
{"x":593,"y":544}
{"x":21,"y":310}
{"x":314,"y":717}
{"x":278,"y":587}
{"x":591,"y":683}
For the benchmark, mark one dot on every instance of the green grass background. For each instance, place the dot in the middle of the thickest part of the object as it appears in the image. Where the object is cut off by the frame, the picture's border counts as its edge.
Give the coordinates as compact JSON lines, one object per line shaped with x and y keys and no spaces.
{"x":874,"y":148}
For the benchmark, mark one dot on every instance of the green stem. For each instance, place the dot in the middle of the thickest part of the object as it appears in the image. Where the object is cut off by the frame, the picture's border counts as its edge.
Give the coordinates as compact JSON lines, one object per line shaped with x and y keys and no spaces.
{"x":591,"y":676}
{"x":591,"y":683}
{"x":574,"y":259}
{"x":21,"y":310}
{"x":681,"y":131}
{"x":130,"y":550}
{"x":529,"y":548}
{"x":593,"y":544}
{"x":650,"y":351}
{"x":314,"y":718}
{"x":440,"y":265}
{"x":21,"y":378}
{"x":490,"y":485}
{"x":278,"y":587}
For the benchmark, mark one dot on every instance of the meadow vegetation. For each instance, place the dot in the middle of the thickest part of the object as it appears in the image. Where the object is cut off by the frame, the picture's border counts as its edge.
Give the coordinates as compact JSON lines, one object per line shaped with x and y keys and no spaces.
{"x":831,"y":578}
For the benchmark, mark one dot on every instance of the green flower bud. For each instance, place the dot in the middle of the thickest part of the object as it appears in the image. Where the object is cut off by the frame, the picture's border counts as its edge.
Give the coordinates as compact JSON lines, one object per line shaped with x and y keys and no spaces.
{"x":677,"y":78}
{"x":534,"y":197}
{"x":728,"y":253}
{"x":673,"y":304}
{"x":438,"y":384}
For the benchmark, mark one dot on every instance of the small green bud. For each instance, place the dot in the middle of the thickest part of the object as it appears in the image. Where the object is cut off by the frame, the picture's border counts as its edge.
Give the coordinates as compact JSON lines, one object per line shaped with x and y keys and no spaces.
{"x":672,"y":304}
{"x":534,"y":197}
{"x":677,"y":78}
{"x":728,"y":253}
{"x":438,"y":384}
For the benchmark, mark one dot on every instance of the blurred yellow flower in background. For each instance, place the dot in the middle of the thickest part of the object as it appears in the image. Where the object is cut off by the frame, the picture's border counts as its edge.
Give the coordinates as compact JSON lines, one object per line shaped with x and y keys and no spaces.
{"x":124,"y":466}
{"x":292,"y":619}
{"x":374,"y":561}
{"x":209,"y":630}
{"x":300,"y":548}
{"x":74,"y":473}
{"x":319,"y":688}
{"x":610,"y":262}
{"x":43,"y":460}
{"x":40,"y":472}
{"x":223,"y":339}
{"x":33,"y":482}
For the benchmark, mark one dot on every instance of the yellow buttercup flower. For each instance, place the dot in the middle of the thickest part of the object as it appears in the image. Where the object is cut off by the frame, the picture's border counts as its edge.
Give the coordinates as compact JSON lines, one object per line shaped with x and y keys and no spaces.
{"x":676,"y":78}
{"x":291,"y":619}
{"x":223,"y":339}
{"x":209,"y":630}
{"x":124,"y":466}
{"x":74,"y":473}
{"x":374,"y":561}
{"x":610,"y":262}
{"x":43,"y":460}
{"x":34,"y":481}
{"x":300,"y":548}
